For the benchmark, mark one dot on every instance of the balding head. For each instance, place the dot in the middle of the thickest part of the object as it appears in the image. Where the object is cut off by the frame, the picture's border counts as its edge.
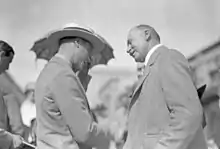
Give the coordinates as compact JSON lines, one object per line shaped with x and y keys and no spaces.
{"x":141,"y":39}
{"x":151,"y":30}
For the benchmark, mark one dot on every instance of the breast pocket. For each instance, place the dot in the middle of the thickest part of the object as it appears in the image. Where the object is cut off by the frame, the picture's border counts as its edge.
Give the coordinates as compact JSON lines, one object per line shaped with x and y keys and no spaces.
{"x":50,"y":106}
{"x":150,"y":140}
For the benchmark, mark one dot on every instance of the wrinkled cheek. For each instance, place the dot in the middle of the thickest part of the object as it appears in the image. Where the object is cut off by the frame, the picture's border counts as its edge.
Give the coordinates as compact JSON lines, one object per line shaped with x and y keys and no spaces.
{"x":137,"y":56}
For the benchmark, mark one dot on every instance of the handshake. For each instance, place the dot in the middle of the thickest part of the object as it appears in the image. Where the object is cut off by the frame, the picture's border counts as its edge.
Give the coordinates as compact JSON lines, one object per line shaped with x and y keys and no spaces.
{"x":17,"y":141}
{"x":116,"y":134}
{"x":104,"y":136}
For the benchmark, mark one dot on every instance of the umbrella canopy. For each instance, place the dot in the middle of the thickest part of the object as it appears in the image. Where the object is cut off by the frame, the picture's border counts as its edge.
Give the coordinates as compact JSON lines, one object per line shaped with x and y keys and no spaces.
{"x":44,"y":50}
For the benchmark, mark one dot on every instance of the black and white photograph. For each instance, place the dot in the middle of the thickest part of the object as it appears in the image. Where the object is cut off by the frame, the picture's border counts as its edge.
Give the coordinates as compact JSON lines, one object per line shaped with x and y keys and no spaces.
{"x":109,"y":74}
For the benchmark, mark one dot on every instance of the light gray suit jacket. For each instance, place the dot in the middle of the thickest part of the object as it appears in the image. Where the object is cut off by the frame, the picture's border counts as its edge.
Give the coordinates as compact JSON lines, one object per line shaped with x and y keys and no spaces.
{"x":64,"y":119}
{"x":165,"y":111}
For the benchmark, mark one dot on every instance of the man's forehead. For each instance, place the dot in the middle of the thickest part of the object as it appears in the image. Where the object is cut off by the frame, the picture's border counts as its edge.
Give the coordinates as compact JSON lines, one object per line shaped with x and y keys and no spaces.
{"x":134,"y":32}
{"x":130,"y":35}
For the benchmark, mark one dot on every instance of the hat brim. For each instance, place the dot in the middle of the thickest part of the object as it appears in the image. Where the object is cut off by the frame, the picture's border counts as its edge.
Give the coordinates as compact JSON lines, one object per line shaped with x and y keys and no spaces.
{"x":97,"y":44}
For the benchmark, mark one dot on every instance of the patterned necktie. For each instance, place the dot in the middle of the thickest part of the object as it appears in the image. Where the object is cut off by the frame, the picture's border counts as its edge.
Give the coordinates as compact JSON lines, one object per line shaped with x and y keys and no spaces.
{"x":140,"y":69}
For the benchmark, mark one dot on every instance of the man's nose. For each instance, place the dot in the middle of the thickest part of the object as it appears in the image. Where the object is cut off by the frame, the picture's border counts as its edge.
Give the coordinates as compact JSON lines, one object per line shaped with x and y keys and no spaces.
{"x":128,"y":50}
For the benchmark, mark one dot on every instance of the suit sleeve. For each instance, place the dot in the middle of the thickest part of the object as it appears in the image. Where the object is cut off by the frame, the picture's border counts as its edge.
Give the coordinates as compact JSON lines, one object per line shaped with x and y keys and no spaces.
{"x":76,"y":112}
{"x":6,"y":139}
{"x":182,"y":102}
{"x":14,"y":114}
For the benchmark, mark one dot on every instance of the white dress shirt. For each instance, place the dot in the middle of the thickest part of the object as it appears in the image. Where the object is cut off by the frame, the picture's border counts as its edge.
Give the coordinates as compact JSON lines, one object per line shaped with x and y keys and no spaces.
{"x":28,"y":112}
{"x":152,"y":50}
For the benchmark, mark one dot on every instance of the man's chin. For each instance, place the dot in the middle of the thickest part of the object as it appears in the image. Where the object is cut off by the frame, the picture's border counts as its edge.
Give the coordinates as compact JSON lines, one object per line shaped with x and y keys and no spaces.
{"x":138,"y":60}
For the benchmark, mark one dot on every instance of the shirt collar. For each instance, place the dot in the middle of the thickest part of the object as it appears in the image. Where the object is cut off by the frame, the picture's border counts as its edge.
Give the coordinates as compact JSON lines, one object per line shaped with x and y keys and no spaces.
{"x":68,"y":62}
{"x":63,"y":58}
{"x":152,"y":50}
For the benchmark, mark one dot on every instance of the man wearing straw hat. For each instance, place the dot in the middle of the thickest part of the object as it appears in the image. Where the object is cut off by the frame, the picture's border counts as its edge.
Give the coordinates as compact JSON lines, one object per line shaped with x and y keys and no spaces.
{"x":64,"y":118}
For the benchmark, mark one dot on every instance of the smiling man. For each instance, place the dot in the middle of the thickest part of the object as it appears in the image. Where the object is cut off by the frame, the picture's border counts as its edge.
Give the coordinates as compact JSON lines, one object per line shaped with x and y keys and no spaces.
{"x":165,"y":111}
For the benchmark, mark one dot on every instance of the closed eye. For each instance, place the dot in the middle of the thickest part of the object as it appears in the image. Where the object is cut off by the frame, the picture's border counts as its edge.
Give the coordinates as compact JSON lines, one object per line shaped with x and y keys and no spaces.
{"x":128,"y":42}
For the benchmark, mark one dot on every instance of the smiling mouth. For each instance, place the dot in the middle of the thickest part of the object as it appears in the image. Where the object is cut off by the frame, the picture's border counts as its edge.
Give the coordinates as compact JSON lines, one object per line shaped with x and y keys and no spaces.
{"x":132,"y":54}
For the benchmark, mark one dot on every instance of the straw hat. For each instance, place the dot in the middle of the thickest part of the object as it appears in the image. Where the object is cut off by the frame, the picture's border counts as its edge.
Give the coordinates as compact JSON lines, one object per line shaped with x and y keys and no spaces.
{"x":74,"y":30}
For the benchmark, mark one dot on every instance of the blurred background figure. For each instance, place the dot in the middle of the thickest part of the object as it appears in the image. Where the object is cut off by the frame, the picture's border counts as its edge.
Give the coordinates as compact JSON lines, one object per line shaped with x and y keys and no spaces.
{"x":28,"y":113}
{"x":11,"y":130}
{"x":112,"y":112}
{"x":13,"y":110}
{"x":212,"y":115}
{"x":28,"y":110}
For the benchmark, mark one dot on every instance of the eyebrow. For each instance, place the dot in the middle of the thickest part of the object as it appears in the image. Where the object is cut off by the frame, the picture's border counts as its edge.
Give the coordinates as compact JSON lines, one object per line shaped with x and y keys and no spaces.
{"x":128,"y":41}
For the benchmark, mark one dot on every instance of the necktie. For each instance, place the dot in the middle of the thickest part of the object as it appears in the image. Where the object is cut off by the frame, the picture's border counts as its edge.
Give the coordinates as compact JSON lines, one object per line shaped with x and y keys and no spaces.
{"x":140,"y":69}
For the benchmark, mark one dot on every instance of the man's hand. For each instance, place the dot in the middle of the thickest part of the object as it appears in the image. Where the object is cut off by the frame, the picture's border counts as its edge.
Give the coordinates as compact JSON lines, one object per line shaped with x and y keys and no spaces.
{"x":17,"y":141}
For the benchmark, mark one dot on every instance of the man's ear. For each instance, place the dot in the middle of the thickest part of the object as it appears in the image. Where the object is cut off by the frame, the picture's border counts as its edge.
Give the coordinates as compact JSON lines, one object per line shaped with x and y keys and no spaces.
{"x":147,"y":34}
{"x":2,"y":53}
{"x":219,"y":104}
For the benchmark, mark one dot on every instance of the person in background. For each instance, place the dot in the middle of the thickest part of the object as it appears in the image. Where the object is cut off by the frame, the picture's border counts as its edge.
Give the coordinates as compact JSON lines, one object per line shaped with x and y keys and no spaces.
{"x":28,"y":113}
{"x":212,"y":115}
{"x":28,"y":109}
{"x":13,"y":110}
{"x":165,"y":111}
{"x":8,"y":140}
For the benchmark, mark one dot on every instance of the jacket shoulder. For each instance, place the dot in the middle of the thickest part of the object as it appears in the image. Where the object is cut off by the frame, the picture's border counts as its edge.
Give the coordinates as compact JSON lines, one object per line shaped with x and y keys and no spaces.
{"x":51,"y":74}
{"x":171,"y":55}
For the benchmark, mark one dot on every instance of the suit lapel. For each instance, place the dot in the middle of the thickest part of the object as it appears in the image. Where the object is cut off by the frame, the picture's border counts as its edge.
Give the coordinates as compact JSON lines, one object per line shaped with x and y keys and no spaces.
{"x":139,"y":84}
{"x":82,"y":90}
{"x":141,"y":80}
{"x":81,"y":87}
{"x":67,"y":65}
{"x":145,"y":75}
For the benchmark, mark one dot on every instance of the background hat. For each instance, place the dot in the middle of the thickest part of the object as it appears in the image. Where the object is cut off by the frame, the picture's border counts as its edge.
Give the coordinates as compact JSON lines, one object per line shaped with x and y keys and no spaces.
{"x":74,"y":30}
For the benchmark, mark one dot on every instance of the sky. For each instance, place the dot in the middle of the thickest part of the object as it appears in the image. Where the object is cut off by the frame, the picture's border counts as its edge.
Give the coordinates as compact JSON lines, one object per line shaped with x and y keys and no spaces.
{"x":187,"y":25}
